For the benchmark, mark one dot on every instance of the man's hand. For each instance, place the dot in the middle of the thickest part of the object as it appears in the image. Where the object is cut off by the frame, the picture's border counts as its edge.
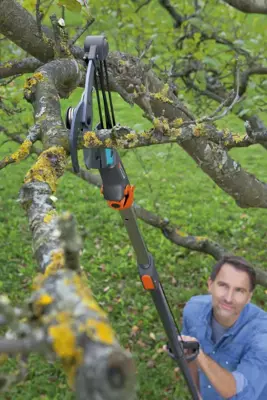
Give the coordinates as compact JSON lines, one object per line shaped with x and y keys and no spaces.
{"x":183,"y":338}
{"x":192,"y":365}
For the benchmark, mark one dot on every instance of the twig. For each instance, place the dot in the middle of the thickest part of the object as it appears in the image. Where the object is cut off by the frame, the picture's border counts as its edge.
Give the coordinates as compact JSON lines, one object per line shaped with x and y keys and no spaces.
{"x":47,"y":10}
{"x":63,"y":12}
{"x":6,"y":82}
{"x":24,"y":150}
{"x":38,"y":17}
{"x":71,"y":241}
{"x":233,"y":97}
{"x":81,"y":31}
{"x":59,"y":35}
{"x":179,"y":19}
{"x":22,"y":346}
{"x":142,"y":5}
{"x":147,"y":47}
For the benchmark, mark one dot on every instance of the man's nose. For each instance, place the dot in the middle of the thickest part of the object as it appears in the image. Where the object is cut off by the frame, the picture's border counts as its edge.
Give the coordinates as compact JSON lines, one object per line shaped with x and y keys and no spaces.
{"x":229,"y":296}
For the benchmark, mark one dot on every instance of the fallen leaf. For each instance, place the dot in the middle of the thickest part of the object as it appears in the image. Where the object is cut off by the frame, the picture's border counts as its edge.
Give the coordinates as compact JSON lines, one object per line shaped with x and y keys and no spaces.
{"x":141,"y":343}
{"x":106,"y":289}
{"x":151,"y":364}
{"x":134,"y":330}
{"x":152,"y":336}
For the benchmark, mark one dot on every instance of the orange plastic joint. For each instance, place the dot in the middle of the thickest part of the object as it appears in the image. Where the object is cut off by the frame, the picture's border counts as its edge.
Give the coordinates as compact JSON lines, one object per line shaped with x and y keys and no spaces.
{"x":125,"y":202}
{"x":148,"y":282}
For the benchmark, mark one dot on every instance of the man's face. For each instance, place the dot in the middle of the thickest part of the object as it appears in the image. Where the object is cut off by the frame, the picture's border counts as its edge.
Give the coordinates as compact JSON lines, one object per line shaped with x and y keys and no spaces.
{"x":230,"y":293}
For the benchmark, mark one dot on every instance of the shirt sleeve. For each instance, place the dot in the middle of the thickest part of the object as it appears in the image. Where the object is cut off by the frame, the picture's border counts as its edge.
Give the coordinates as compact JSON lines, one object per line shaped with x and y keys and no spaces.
{"x":240,"y":380}
{"x":253,"y":367}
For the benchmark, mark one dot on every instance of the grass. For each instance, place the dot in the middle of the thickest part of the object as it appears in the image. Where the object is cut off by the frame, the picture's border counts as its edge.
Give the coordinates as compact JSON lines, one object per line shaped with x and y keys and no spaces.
{"x":167,"y":182}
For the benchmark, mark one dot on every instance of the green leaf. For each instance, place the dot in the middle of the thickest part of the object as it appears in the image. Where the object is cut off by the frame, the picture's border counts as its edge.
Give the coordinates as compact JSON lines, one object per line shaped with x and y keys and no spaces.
{"x":71,"y":5}
{"x":211,"y":61}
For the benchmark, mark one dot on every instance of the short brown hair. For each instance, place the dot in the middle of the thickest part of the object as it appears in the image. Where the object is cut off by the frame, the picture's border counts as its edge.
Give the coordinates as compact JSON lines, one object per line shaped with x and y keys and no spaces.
{"x":237,"y":262}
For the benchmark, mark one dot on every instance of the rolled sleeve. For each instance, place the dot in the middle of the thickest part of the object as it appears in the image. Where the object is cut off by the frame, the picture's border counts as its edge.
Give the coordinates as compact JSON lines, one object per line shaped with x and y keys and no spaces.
{"x":253,"y":367}
{"x":240,"y":381}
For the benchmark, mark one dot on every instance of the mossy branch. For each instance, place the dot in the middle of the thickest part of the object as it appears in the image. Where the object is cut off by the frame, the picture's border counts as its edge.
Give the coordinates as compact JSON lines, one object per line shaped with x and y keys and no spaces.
{"x":25,"y":148}
{"x":64,"y":321}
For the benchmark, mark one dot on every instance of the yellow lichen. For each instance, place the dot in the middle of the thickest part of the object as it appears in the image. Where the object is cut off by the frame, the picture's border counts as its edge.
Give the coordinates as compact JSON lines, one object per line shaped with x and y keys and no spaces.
{"x":163,"y":95}
{"x":64,"y":345}
{"x":64,"y":341}
{"x":199,"y":130}
{"x":49,"y":216}
{"x":109,"y":143}
{"x":63,"y":317}
{"x":42,"y":301}
{"x":100,"y":331}
{"x":7,"y":65}
{"x":131,"y":136}
{"x":200,"y":238}
{"x":49,"y":167}
{"x":177,"y":122}
{"x":161,"y":124}
{"x":91,"y":140}
{"x":22,"y":152}
{"x":86,"y":295}
{"x":237,"y":138}
{"x":32,"y":81}
{"x":181,"y":233}
{"x":146,"y":135}
{"x":58,"y":262}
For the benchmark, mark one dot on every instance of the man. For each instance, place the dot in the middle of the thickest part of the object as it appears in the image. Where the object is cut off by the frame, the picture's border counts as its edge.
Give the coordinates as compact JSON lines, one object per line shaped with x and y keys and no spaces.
{"x":232,"y":333}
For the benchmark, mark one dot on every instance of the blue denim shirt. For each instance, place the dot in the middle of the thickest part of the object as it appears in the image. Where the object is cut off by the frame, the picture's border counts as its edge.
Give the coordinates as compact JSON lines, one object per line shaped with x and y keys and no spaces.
{"x":243,"y":348}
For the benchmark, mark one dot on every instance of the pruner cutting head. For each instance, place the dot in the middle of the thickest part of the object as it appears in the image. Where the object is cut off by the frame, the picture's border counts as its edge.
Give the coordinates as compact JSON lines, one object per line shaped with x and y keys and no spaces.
{"x":79,"y":119}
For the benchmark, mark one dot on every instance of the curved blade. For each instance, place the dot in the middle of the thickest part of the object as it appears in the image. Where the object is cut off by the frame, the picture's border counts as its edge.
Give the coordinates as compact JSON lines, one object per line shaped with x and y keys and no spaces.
{"x":76,"y":130}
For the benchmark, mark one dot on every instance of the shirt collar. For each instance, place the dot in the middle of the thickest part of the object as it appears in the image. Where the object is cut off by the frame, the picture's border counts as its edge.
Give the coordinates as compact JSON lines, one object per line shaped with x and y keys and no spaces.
{"x":208,"y":317}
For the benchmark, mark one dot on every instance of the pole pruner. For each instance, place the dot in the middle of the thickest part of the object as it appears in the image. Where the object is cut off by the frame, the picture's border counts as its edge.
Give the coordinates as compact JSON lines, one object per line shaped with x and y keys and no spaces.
{"x":119,"y":193}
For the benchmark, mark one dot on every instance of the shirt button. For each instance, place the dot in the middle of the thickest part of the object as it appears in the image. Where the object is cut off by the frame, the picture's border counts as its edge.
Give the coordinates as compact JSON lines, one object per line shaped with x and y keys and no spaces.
{"x":226,"y":362}
{"x":209,"y":386}
{"x":213,"y":352}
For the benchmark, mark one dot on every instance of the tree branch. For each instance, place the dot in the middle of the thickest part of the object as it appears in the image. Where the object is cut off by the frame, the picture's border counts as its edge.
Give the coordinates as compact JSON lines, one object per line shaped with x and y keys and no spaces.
{"x":17,"y":67}
{"x":213,"y":158}
{"x":178,"y":18}
{"x":81,"y":31}
{"x":18,"y":25}
{"x":24,"y":150}
{"x":38,"y":18}
{"x":249,"y":6}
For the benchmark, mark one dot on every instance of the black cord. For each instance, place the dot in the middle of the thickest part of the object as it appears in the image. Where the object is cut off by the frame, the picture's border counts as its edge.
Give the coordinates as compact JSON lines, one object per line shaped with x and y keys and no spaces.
{"x":176,"y":326}
{"x":102,"y":84}
{"x":98,"y":98}
{"x":109,"y":94}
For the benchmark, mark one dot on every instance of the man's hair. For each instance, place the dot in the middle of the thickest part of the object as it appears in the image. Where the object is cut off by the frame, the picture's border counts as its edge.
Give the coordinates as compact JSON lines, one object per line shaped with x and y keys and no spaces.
{"x":237,"y":262}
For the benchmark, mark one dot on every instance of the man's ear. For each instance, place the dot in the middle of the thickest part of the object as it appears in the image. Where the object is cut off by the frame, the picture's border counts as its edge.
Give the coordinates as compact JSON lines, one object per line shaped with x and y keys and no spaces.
{"x":209,"y":285}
